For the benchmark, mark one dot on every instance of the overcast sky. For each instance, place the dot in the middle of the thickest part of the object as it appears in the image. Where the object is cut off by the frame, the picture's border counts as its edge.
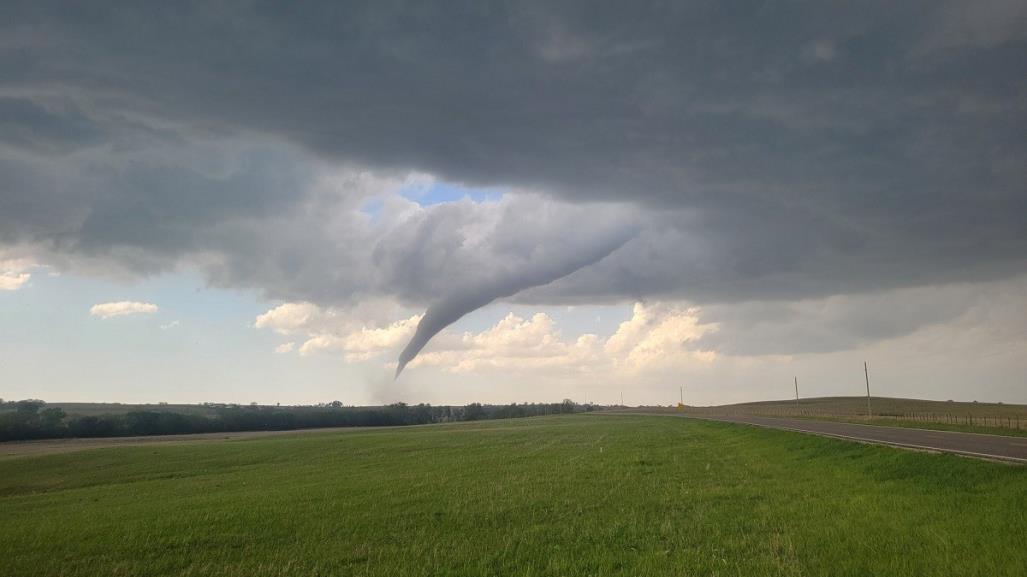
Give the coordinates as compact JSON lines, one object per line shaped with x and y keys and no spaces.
{"x":242,"y":201}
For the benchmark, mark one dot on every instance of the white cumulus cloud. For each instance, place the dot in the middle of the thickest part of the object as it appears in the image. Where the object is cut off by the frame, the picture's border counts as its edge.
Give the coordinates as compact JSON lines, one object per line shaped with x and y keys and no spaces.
{"x":359,"y":332}
{"x":365,"y":342}
{"x":121,"y":308}
{"x":656,"y":336}
{"x":14,"y":273}
{"x":290,"y":318}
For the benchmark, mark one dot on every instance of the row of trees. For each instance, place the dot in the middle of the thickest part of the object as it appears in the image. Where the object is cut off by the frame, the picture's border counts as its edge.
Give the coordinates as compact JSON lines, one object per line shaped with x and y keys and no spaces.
{"x":32,"y":419}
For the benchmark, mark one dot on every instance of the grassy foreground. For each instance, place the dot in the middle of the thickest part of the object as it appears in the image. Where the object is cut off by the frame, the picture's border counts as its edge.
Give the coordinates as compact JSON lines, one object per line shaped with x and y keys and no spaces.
{"x":575,"y":495}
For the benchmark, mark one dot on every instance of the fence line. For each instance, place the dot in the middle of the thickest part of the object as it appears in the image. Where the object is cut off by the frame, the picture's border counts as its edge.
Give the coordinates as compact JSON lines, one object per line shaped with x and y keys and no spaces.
{"x":969,"y":419}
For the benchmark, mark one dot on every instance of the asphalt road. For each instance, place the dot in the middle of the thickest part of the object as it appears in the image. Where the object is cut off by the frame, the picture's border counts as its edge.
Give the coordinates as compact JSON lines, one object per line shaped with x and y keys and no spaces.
{"x":971,"y":444}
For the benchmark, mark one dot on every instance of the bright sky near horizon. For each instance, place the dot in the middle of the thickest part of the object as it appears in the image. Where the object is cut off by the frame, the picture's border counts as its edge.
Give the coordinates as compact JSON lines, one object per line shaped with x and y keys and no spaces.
{"x":618,"y":199}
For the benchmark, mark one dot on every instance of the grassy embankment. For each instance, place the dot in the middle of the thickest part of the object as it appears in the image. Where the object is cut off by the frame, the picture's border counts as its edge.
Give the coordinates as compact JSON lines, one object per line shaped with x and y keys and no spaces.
{"x":576,"y":495}
{"x":967,"y":417}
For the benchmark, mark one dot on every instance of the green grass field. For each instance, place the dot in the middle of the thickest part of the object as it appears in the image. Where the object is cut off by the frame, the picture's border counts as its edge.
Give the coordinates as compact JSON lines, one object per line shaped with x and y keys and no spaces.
{"x":575,"y":495}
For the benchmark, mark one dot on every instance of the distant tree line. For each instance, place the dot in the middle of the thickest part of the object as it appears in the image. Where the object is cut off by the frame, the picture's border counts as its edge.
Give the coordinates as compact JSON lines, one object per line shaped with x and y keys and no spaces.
{"x":32,"y":419}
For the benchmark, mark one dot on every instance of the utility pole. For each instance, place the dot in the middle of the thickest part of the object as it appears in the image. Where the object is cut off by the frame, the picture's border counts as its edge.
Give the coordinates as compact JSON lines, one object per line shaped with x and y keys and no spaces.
{"x":796,"y":394}
{"x":866,"y":373}
{"x":682,"y":391}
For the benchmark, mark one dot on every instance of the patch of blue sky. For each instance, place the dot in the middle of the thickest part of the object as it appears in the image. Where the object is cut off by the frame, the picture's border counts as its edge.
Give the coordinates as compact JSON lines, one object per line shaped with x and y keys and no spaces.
{"x":56,"y":308}
{"x":432,"y":193}
{"x":439,"y":192}
{"x":55,"y":350}
{"x":373,"y":208}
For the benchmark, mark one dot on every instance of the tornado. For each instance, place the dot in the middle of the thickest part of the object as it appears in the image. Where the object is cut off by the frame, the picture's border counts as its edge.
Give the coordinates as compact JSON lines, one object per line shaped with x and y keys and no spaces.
{"x":542,"y":270}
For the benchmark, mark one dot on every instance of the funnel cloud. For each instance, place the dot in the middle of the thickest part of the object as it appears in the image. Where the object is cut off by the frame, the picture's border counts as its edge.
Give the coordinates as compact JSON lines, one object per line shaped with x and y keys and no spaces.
{"x":543,"y":270}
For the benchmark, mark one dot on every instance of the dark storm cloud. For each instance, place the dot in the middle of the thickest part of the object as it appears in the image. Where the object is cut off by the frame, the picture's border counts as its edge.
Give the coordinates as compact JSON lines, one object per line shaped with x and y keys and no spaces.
{"x":26,"y":124}
{"x":773,"y":150}
{"x":839,"y":322}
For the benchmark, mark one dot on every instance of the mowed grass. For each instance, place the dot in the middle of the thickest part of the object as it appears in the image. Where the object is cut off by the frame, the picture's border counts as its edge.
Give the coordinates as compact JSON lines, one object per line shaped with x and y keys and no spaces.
{"x":575,"y":495}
